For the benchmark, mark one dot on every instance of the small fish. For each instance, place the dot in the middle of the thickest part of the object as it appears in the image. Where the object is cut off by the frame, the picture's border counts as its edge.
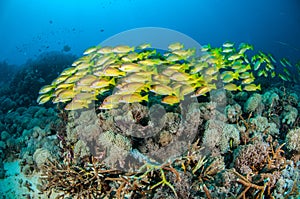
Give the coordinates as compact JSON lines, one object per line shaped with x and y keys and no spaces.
{"x":85,"y":97}
{"x":100,"y":61}
{"x":243,"y":68}
{"x":137,"y":78}
{"x":76,"y":105}
{"x":257,"y":65}
{"x":64,"y":86}
{"x":83,"y":72}
{"x":131,"y":57}
{"x":110,"y":72}
{"x":122,"y":49}
{"x":272,"y":58}
{"x":228,"y":50}
{"x":178,"y":76}
{"x":199,"y":67}
{"x":131,"y":67}
{"x":151,"y":62}
{"x":282,"y":61}
{"x":205,"y":48}
{"x":59,"y":79}
{"x":170,"y":100}
{"x":262,"y":73}
{"x":83,"y":65}
{"x":90,"y":50}
{"x":65,"y":95}
{"x":246,"y":75}
{"x":132,"y":98}
{"x":248,"y":80}
{"x":112,"y":99}
{"x":185,"y":53}
{"x":185,"y":90}
{"x":252,"y":87}
{"x":244,"y":47}
{"x":42,"y":99}
{"x":175,"y":46}
{"x":46,"y":89}
{"x":203,"y":90}
{"x":173,"y":58}
{"x":132,"y":87}
{"x":105,"y":50}
{"x":229,"y":78}
{"x":160,"y":78}
{"x":87,"y":80}
{"x":286,"y":71}
{"x":283,"y":77}
{"x":228,"y":44}
{"x":234,"y":57}
{"x":73,"y":79}
{"x":108,"y":106}
{"x":161,"y":89}
{"x":211,"y":70}
{"x":143,"y":46}
{"x":68,"y":71}
{"x":232,"y":87}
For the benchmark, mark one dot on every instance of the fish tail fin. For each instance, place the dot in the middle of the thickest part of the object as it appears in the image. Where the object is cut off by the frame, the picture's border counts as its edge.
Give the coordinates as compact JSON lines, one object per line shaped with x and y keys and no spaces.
{"x":259,"y":87}
{"x":145,"y":98}
{"x":240,"y":88}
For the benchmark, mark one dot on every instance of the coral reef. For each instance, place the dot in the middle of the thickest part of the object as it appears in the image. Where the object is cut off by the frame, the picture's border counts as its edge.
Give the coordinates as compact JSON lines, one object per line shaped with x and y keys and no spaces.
{"x":293,"y":140}
{"x":254,"y":104}
{"x":211,"y":143}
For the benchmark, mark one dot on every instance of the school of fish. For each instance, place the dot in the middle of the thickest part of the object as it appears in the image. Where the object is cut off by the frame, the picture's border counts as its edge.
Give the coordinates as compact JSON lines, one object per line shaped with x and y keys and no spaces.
{"x":135,"y":74}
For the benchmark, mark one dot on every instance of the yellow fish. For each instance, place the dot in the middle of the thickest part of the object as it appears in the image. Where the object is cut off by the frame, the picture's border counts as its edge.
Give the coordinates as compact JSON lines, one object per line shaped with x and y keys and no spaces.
{"x":65,"y":95}
{"x":112,"y":99}
{"x":76,"y":105}
{"x":203,"y":90}
{"x":42,"y":99}
{"x":87,"y":80}
{"x":110,"y":72}
{"x":132,"y":87}
{"x":232,"y":87}
{"x":84,"y":97}
{"x":132,"y":98}
{"x":228,"y":44}
{"x":73,"y":79}
{"x":162,"y":89}
{"x":108,"y":106}
{"x":122,"y":49}
{"x":64,"y":86}
{"x":252,"y":87}
{"x":143,"y":46}
{"x":171,"y":100}
{"x":68,"y":71}
{"x":101,"y":83}
{"x":178,"y":76}
{"x":105,"y":50}
{"x":175,"y":46}
{"x":90,"y":50}
{"x":131,"y":67}
{"x":46,"y":89}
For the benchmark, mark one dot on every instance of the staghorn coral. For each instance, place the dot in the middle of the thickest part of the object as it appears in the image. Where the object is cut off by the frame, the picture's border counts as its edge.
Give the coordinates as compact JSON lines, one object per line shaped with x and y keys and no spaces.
{"x":250,"y":158}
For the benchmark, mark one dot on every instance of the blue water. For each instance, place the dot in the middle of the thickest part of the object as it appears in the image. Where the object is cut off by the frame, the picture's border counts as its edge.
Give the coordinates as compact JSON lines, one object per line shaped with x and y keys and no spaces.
{"x":31,"y":27}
